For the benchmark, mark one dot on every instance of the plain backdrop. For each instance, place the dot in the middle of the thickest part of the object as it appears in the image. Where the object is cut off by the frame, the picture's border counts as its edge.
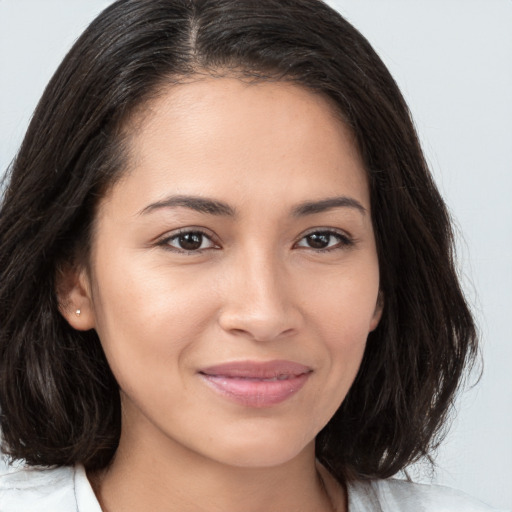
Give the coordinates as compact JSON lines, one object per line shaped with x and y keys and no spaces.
{"x":453,"y":62}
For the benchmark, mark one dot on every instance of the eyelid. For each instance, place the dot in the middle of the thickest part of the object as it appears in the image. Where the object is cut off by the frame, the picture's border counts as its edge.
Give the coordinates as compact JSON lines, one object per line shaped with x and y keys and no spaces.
{"x":163,"y":241}
{"x":346,"y":239}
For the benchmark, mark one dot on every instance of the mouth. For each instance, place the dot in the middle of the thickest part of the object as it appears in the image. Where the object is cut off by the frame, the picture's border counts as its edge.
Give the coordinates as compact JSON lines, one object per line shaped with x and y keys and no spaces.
{"x":257,"y":384}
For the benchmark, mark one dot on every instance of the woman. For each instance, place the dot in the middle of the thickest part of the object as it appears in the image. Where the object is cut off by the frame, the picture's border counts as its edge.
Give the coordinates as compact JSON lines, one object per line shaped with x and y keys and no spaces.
{"x":226,"y":274}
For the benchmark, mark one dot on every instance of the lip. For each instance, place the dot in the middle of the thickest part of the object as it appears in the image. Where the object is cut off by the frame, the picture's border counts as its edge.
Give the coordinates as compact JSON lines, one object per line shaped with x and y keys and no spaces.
{"x":257,"y":384}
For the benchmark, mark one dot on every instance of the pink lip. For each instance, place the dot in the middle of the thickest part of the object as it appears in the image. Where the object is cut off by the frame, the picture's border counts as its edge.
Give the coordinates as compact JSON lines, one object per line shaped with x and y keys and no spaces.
{"x":257,"y":384}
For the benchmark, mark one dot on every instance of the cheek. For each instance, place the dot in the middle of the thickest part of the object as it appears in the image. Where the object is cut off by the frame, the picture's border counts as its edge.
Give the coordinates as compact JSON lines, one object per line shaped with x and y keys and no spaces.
{"x":344,"y":304}
{"x":147,"y":316}
{"x":342,"y":316}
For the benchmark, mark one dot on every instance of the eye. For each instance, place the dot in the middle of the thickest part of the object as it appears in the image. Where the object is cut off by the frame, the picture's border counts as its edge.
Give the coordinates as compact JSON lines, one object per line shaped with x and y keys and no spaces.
{"x":325,"y":240}
{"x":188,"y":241}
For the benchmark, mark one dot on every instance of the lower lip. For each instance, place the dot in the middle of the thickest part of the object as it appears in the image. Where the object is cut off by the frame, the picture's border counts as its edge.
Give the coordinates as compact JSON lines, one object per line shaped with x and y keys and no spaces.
{"x":256,"y":392}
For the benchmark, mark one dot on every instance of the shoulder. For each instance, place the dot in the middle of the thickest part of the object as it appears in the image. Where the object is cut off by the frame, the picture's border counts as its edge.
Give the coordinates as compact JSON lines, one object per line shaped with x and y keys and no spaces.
{"x":28,"y":489}
{"x":400,"y":496}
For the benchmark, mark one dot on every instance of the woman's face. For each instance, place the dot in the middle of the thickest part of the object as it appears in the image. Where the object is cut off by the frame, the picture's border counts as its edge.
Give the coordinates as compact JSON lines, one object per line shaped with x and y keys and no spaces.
{"x":234,"y":276}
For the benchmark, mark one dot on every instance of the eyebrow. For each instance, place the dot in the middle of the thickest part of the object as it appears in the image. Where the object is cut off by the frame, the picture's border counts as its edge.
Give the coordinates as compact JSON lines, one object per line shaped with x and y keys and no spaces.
{"x":199,"y":204}
{"x":312,"y":207}
{"x":214,"y":207}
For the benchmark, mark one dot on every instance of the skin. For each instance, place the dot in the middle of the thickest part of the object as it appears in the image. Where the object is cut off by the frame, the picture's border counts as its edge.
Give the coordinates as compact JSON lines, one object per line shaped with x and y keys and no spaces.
{"x":256,"y":290}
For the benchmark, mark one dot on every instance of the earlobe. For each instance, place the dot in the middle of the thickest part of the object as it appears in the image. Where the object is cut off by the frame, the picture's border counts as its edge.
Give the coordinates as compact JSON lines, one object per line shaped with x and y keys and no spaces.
{"x":74,"y":298}
{"x":377,"y":314}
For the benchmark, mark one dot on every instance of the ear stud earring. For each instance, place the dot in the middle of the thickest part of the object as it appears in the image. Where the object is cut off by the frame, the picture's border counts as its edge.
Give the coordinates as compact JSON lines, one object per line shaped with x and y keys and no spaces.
{"x":77,"y":312}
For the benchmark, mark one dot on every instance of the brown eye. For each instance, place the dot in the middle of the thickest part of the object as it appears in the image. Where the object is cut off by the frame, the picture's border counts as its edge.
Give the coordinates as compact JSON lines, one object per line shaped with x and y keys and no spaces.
{"x":324,"y":240}
{"x":189,"y":241}
{"x":318,"y":240}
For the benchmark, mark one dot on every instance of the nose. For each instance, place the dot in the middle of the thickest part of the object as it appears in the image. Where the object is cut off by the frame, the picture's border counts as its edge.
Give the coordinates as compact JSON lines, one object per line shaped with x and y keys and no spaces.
{"x":259,"y":300}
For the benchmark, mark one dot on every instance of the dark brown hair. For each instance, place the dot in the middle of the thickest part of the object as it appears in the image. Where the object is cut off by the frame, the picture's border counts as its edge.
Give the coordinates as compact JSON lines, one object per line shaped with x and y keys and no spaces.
{"x":59,"y":400}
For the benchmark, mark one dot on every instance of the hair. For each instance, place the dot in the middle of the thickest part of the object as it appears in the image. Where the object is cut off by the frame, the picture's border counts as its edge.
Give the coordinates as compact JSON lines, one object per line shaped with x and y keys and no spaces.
{"x":59,"y":400}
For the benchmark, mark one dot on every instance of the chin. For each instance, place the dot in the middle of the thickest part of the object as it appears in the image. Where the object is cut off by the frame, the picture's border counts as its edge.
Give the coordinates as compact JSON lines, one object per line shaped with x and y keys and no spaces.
{"x":263,"y":451}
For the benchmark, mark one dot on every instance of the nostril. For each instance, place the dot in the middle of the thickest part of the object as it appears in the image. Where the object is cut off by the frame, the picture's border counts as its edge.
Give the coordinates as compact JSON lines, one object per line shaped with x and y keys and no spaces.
{"x":261,"y":331}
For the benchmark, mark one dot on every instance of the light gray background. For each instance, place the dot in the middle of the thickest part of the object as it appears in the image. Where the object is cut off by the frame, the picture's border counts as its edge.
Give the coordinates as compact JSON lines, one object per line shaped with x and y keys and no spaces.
{"x":453,"y":62}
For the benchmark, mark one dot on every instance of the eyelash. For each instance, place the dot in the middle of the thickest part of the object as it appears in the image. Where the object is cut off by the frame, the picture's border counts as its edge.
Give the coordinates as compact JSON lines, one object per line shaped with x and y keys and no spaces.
{"x":344,"y":240}
{"x":165,"y":242}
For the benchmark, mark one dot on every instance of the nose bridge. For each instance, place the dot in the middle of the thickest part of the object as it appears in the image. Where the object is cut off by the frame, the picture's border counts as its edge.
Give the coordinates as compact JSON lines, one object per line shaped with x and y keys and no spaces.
{"x":257,"y":301}
{"x":264,"y":275}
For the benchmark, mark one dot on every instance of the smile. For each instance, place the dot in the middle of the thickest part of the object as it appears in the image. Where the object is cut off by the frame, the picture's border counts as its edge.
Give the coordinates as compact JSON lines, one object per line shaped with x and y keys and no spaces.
{"x":255,"y":384}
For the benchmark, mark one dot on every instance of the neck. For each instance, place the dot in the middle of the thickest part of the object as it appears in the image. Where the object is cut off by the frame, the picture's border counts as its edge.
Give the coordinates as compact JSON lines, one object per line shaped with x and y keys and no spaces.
{"x":147,"y":476}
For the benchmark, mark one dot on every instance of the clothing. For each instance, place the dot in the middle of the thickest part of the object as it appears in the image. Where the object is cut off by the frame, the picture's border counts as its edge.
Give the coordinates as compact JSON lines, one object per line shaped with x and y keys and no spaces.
{"x":67,"y":489}
{"x":400,"y":496}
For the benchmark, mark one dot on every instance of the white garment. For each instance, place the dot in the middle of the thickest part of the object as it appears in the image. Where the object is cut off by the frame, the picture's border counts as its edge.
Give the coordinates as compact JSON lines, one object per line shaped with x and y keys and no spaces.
{"x":67,"y":489}
{"x":399,"y":496}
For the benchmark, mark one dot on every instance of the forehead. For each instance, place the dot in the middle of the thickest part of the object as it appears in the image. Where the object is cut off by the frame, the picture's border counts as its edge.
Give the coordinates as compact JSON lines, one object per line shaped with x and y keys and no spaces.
{"x":224,"y":137}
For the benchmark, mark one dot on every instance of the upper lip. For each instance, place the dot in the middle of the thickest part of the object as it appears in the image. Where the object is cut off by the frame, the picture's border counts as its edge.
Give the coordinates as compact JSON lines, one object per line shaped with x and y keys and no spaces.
{"x":256,"y":369}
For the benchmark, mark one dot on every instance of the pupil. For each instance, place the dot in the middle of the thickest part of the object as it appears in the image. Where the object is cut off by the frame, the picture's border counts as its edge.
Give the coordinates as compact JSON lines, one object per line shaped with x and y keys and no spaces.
{"x":318,"y":240}
{"x":191,"y":241}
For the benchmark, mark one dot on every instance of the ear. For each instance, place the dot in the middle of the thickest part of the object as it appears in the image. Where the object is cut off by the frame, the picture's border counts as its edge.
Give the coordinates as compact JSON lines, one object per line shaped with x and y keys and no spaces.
{"x":74,"y":297}
{"x":377,"y":314}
